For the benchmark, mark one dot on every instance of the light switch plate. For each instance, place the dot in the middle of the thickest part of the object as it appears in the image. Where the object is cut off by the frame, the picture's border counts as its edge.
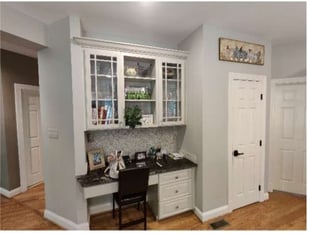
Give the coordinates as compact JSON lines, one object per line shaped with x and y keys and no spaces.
{"x":53,"y":133}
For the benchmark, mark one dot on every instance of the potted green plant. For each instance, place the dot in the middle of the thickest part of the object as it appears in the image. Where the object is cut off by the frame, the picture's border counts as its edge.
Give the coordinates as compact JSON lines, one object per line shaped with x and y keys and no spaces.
{"x":133,"y":116}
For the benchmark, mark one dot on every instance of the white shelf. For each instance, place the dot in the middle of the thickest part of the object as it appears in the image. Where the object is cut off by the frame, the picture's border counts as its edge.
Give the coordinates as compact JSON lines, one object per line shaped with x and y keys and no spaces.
{"x":105,"y":100}
{"x":171,"y":80}
{"x":140,"y":100}
{"x":139,"y":78}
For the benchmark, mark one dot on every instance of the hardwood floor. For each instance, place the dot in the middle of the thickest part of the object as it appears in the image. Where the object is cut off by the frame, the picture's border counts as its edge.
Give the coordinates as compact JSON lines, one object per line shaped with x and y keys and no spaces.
{"x":25,"y":211}
{"x":283,"y":211}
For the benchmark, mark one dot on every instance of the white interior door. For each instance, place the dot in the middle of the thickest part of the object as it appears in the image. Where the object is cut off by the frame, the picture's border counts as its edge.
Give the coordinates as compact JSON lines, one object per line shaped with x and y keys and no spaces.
{"x":289,"y":137}
{"x":31,"y":119}
{"x":246,"y":120}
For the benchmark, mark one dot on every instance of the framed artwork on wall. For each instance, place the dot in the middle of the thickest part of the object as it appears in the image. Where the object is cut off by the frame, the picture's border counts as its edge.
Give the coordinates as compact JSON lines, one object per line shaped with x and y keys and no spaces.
{"x":241,"y":51}
{"x":96,"y":159}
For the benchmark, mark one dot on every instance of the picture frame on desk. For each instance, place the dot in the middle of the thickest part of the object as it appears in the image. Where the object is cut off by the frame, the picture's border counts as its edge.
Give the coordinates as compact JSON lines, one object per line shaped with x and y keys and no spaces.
{"x":139,"y":156}
{"x":95,"y":159}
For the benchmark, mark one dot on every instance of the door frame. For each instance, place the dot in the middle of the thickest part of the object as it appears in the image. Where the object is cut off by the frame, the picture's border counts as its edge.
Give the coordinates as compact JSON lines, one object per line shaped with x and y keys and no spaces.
{"x":263,"y":79}
{"x":272,"y":130}
{"x":18,"y":89}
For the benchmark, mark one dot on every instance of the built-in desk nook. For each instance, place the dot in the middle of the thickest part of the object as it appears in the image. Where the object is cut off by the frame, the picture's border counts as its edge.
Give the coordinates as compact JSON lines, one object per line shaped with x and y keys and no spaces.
{"x":171,"y":187}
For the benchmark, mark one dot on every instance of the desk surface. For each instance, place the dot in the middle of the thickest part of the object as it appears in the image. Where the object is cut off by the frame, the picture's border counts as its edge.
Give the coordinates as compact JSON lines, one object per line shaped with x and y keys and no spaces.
{"x":97,"y":177}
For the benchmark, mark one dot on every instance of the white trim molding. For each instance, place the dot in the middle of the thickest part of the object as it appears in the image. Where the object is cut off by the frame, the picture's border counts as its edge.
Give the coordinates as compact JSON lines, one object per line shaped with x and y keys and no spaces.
{"x":18,"y":88}
{"x":129,"y":48}
{"x":266,"y":196}
{"x":205,"y":216}
{"x":63,"y":222}
{"x":10,"y":193}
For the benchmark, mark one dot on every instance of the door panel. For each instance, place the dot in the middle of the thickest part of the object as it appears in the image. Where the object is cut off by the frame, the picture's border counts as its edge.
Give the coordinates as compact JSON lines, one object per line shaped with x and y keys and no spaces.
{"x":289,"y":147}
{"x":31,"y":109}
{"x":246,"y":121}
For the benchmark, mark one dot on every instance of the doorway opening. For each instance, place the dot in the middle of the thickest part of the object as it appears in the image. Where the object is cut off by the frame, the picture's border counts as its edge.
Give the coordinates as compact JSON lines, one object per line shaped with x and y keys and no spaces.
{"x":27,"y":106}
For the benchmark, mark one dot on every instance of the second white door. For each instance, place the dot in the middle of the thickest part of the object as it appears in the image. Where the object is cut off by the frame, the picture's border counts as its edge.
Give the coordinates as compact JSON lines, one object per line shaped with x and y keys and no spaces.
{"x":288,"y":146}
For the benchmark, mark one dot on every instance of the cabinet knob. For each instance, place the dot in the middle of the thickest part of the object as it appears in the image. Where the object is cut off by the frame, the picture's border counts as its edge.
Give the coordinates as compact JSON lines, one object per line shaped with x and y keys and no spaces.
{"x":176,"y":177}
{"x":177,"y":207}
{"x":176,"y":191}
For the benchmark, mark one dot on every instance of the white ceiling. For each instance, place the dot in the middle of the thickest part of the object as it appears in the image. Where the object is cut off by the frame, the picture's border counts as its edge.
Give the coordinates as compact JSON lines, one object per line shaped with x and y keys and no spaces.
{"x":170,"y":22}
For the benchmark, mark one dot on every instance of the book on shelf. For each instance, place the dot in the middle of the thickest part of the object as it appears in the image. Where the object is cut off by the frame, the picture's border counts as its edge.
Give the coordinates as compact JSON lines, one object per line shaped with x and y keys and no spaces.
{"x":109,"y":113}
{"x":101,"y":115}
{"x":104,"y":113}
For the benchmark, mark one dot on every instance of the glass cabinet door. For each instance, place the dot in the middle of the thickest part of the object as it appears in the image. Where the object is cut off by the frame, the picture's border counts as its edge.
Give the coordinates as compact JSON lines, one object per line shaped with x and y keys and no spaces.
{"x":104,"y":90}
{"x":172,"y":106}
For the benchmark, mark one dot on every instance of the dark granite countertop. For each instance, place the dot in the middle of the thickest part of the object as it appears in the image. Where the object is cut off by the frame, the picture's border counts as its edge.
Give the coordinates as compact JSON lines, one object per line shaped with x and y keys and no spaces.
{"x":97,"y":177}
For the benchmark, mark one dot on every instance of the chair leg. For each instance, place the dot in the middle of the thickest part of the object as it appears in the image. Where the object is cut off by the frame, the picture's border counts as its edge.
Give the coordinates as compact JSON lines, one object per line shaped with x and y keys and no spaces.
{"x":113,"y":206}
{"x":120,"y":217}
{"x":145,"y":215}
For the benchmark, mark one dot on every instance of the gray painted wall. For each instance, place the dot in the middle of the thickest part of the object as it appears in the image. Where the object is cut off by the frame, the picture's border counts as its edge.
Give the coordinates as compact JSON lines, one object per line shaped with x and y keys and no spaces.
{"x":15,"y":68}
{"x":62,"y":192}
{"x":215,"y":111}
{"x":193,"y":136}
{"x":289,"y":60}
{"x":213,"y":100}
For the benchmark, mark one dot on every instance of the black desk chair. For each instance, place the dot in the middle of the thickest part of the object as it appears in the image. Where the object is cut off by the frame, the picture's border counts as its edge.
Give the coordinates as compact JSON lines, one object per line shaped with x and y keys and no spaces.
{"x":132,"y":188}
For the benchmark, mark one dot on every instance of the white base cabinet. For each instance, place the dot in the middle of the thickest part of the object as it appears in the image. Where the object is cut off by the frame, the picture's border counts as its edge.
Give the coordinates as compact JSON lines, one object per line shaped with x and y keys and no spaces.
{"x":174,"y":193}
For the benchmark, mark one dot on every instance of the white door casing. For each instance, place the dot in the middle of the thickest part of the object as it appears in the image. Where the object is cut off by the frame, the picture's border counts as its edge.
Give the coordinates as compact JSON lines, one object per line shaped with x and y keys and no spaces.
{"x":288,"y":135}
{"x":247,"y":113}
{"x":28,"y":134}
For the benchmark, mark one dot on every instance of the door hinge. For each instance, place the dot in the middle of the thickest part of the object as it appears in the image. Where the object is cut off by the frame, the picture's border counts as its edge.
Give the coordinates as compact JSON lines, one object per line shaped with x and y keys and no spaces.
{"x":259,"y":187}
{"x":261,"y":96}
{"x":260,"y":142}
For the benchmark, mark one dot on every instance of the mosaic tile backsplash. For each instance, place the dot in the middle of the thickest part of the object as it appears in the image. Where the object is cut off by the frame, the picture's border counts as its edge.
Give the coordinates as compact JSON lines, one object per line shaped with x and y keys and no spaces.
{"x":135,"y":140}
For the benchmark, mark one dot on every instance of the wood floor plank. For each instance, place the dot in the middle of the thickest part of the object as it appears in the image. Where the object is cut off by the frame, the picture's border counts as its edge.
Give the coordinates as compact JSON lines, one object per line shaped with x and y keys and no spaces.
{"x":283,"y":211}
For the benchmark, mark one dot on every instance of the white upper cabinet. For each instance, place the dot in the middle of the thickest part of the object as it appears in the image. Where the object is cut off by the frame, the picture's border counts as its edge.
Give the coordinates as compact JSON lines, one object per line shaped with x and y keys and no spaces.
{"x":120,"y":76}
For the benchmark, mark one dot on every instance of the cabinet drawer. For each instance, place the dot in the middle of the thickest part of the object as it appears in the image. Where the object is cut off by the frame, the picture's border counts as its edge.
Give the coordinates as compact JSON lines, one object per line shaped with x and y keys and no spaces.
{"x":174,"y":176}
{"x":174,"y":190}
{"x":176,"y":206}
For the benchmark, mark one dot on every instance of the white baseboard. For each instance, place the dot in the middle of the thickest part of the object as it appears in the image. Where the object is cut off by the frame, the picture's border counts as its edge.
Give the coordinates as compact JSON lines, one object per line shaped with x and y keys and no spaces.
{"x":101,"y":208}
{"x":63,"y":222}
{"x":266,"y":196}
{"x":11,"y":193}
{"x":204,"y":216}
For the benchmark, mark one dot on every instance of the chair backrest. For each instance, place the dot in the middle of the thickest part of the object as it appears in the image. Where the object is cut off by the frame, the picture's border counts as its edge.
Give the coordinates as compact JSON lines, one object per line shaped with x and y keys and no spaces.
{"x":133,"y":181}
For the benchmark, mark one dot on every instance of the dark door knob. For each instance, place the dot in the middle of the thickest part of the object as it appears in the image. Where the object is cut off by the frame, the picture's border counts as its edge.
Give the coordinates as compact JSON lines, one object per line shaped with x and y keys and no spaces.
{"x":236,"y":153}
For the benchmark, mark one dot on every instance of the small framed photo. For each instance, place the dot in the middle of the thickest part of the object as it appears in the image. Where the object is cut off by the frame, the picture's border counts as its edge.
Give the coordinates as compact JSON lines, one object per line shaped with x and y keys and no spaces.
{"x":96,"y":159}
{"x":140,"y":155}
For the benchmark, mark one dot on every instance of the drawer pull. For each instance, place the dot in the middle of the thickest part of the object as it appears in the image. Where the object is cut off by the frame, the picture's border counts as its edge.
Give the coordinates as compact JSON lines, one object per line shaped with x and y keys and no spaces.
{"x":177,"y":207}
{"x":176,"y":177}
{"x":176,"y":191}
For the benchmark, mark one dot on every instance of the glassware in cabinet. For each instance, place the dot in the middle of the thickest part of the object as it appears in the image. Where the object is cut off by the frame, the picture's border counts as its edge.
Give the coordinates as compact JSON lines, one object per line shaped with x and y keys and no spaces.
{"x":172,"y":96}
